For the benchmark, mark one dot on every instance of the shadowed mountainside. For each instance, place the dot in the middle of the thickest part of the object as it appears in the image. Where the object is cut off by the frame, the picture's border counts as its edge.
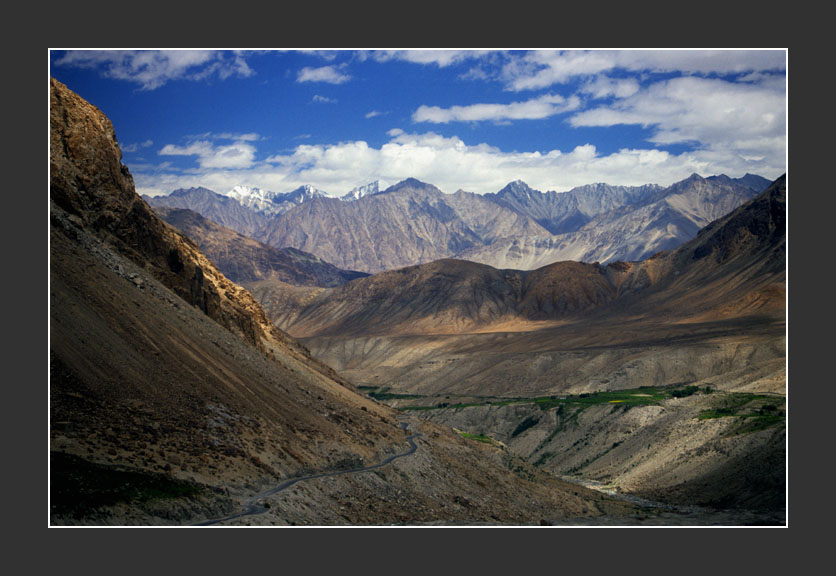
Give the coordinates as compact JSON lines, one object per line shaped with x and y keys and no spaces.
{"x":173,"y":399}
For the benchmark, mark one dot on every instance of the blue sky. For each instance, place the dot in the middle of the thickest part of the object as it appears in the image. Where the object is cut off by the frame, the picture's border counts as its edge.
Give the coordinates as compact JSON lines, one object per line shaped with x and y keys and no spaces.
{"x":459,"y":119}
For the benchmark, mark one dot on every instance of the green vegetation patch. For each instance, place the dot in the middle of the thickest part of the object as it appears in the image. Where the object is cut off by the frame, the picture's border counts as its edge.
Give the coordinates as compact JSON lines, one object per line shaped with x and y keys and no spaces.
{"x":712,"y":413}
{"x":631,"y":397}
{"x":758,"y":421}
{"x":642,"y":396}
{"x":393,"y":396}
{"x":684,"y":392}
{"x":78,"y":486}
{"x":754,"y":412}
{"x":478,"y":437}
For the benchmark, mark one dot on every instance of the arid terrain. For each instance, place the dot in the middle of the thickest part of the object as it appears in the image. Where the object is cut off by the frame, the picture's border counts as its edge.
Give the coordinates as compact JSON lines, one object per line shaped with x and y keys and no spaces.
{"x":690,"y":345}
{"x":174,"y":400}
{"x":649,"y":392}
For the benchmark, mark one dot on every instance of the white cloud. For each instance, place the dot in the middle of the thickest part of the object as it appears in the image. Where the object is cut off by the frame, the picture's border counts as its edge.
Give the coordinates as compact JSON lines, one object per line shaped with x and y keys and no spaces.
{"x":373,"y":113}
{"x":154,"y":68}
{"x":210,"y":156}
{"x":328,"y":74}
{"x":536,"y":108}
{"x":248,"y":137}
{"x":137,"y":146}
{"x":602,"y":87}
{"x":540,"y":69}
{"x":723,"y":117}
{"x":440,"y":58}
{"x":323,"y":99}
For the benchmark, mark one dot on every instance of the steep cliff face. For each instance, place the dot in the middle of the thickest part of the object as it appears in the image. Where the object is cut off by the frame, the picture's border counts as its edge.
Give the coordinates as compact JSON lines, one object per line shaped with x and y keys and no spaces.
{"x":88,"y":181}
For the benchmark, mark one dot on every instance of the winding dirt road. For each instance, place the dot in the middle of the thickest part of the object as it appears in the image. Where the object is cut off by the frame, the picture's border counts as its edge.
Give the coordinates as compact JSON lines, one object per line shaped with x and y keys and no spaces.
{"x":252,"y":508}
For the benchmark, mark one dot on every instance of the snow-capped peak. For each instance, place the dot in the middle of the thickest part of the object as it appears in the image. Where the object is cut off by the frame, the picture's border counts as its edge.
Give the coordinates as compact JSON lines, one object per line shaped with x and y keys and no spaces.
{"x":272,"y":203}
{"x":366,"y":190}
{"x":305,"y":192}
{"x":255,"y":198}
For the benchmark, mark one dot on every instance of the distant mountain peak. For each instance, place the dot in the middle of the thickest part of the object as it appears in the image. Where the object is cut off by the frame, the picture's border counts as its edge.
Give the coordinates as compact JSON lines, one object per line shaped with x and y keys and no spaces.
{"x":309,"y":191}
{"x":411,"y":183}
{"x":517,"y":188}
{"x":369,"y":189}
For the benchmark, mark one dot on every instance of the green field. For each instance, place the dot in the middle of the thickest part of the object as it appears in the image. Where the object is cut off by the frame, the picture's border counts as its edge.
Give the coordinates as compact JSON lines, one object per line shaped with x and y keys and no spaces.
{"x":632,"y":397}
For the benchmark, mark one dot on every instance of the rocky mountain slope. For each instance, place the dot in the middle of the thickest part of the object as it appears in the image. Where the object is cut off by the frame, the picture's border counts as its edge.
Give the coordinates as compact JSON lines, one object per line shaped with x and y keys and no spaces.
{"x":561,"y":212}
{"x":407,"y":223}
{"x":603,"y":223}
{"x":173,"y":399}
{"x":243,"y":260}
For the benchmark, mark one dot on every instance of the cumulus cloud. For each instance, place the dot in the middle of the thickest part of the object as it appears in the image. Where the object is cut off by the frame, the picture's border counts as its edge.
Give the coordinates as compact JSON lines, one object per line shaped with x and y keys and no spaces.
{"x":743,"y":119}
{"x":536,"y":108}
{"x":327,"y":74}
{"x":237,"y":155}
{"x":151,"y":69}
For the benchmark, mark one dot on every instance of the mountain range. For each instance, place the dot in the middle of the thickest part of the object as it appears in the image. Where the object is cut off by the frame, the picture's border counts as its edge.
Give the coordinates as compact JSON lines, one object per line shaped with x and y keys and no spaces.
{"x":413,"y":222}
{"x":745,"y":249}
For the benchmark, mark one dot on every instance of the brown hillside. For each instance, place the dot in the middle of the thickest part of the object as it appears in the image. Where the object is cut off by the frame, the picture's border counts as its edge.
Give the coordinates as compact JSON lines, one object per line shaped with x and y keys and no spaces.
{"x":173,"y":399}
